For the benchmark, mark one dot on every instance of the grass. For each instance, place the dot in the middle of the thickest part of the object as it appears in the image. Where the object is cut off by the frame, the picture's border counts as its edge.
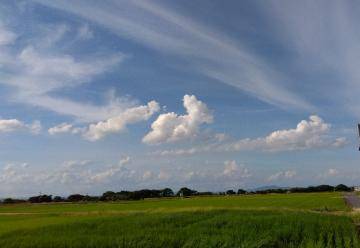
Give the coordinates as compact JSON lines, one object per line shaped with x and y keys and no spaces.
{"x":301,"y":201}
{"x":278,"y":220}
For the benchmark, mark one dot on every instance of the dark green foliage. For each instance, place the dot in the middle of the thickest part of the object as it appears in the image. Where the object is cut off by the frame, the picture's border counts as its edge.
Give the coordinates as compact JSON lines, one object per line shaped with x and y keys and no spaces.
{"x":320,"y":188}
{"x":167,"y":192}
{"x":230,"y":192}
{"x":186,"y":192}
{"x":40,"y":199}
{"x":241,"y":192}
{"x":58,"y":199}
{"x":75,"y":198}
{"x":11,"y":201}
{"x":136,"y":195}
{"x":207,"y":193}
{"x":342,"y":188}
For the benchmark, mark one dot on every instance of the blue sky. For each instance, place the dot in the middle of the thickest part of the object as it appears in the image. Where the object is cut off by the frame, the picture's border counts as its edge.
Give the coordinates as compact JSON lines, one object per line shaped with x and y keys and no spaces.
{"x":147,"y":94}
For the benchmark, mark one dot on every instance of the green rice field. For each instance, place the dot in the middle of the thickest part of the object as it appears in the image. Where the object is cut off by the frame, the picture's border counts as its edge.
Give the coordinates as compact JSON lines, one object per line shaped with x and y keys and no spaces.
{"x":273,"y":220}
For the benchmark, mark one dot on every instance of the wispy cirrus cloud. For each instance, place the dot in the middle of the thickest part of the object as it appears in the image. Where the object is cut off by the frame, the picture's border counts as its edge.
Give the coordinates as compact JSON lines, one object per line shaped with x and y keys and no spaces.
{"x":34,"y":72}
{"x":33,"y":76}
{"x":209,"y":52}
{"x":324,"y":39}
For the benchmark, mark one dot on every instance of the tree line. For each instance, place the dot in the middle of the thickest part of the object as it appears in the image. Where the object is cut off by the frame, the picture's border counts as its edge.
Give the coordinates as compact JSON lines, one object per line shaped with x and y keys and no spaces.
{"x":167,"y":192}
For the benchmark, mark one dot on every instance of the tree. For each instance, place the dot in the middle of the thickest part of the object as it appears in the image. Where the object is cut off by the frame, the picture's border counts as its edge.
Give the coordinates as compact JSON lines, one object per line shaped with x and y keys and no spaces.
{"x":8,"y":201}
{"x":108,"y":196}
{"x":11,"y":200}
{"x":342,"y":187}
{"x":58,"y":199}
{"x":186,"y":192}
{"x":241,"y":192}
{"x":40,"y":199}
{"x":230,"y":192}
{"x":167,"y":192}
{"x":75,"y":198}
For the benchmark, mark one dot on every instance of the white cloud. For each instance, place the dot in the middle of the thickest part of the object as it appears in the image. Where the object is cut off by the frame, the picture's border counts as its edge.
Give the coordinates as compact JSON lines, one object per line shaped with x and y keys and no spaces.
{"x":171,"y":127}
{"x":116,"y":124}
{"x":12,"y":125}
{"x":308,"y":134}
{"x":61,"y":128}
{"x":282,"y":175}
{"x":35,"y":127}
{"x":25,"y":165}
{"x":42,"y":73}
{"x":332,"y":172}
{"x":14,"y":173}
{"x":232,"y":169}
{"x":329,"y":173}
{"x":116,"y":172}
{"x":119,"y":123}
{"x":125,"y":160}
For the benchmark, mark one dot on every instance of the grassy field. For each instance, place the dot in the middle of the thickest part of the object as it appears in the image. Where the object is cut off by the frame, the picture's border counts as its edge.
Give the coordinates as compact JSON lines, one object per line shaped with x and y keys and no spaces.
{"x":276,"y":220}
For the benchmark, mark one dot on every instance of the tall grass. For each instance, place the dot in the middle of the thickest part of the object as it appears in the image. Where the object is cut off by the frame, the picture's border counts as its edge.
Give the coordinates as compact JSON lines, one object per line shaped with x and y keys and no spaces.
{"x":226,"y":228}
{"x":275,"y":220}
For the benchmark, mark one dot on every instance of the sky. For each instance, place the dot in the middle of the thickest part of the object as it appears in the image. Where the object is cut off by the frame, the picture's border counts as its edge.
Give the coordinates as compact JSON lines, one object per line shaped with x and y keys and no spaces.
{"x":211,"y":95}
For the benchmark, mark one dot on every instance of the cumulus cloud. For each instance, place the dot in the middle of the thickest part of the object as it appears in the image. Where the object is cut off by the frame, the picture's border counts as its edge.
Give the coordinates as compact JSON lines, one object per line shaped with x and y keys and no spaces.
{"x":171,"y":127}
{"x":114,"y":172}
{"x":87,"y":173}
{"x":231,"y":169}
{"x":308,"y":134}
{"x":329,"y":173}
{"x":12,"y":125}
{"x":64,"y":127}
{"x":332,"y":172}
{"x":14,"y":173}
{"x":119,"y":123}
{"x":282,"y":175}
{"x":116,"y":124}
{"x":61,"y":128}
{"x":125,"y":160}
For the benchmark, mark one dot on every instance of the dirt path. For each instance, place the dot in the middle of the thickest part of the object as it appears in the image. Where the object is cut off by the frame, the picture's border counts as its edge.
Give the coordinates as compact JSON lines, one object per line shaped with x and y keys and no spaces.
{"x":352,"y":200}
